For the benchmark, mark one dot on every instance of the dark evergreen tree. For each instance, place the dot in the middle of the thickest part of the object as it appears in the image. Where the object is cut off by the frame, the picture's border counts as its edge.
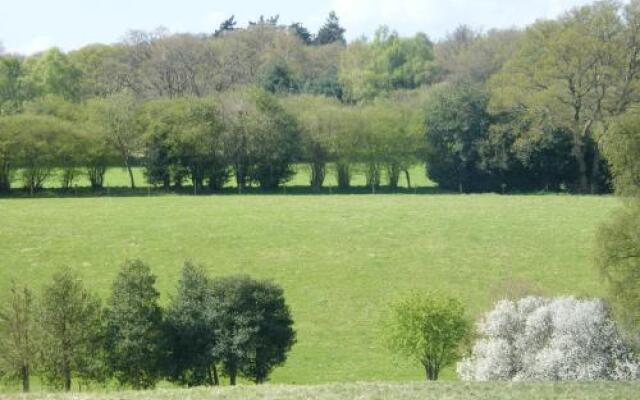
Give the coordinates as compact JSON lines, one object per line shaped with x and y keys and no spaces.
{"x":254,"y":327}
{"x":228,"y":25}
{"x":190,"y":331}
{"x":331,"y":31}
{"x":301,"y":32}
{"x":133,"y":327}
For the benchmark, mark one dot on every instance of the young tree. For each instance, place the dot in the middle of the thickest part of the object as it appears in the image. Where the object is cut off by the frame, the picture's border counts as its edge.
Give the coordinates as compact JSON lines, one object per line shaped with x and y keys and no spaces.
{"x":133,"y":336}
{"x":428,"y":328}
{"x":17,"y":331}
{"x":254,"y":329}
{"x":70,"y":322}
{"x":190,"y":330}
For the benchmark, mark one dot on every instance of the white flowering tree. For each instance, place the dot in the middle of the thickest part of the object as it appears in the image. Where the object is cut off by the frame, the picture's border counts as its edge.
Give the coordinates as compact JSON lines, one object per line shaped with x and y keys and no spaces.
{"x":549,"y":339}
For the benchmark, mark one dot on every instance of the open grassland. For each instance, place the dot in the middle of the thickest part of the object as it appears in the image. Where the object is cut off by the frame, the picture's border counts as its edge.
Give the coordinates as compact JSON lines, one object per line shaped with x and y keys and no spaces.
{"x":372,"y":391}
{"x":340,"y":258}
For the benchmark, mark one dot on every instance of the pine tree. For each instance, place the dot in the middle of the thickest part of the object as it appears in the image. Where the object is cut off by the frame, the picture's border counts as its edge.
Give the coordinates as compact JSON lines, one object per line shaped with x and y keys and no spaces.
{"x":331,"y":31}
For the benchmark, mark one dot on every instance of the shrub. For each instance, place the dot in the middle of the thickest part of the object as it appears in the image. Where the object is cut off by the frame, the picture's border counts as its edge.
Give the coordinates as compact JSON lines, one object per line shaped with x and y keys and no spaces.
{"x":541,"y":339}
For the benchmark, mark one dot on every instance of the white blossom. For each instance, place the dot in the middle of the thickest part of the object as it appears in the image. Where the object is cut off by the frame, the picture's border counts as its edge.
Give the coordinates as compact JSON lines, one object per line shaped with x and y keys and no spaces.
{"x":549,"y":339}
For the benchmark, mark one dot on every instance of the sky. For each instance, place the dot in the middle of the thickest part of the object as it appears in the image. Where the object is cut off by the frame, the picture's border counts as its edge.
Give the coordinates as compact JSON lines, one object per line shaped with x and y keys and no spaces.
{"x":29,"y":26}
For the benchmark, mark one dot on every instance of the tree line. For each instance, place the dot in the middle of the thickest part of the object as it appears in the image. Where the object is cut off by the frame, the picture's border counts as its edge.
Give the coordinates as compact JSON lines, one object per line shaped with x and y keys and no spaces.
{"x":519,"y":109}
{"x":234,"y":326}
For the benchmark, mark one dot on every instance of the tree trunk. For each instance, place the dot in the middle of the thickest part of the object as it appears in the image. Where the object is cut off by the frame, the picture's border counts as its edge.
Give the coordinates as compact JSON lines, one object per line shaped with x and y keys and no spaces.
{"x":24,"y":372}
{"x":232,"y":379}
{"x":317,"y":175}
{"x":431,"y":373}
{"x":216,"y":378}
{"x":579,"y":153}
{"x":126,"y":163}
{"x":67,"y":380}
{"x":595,"y":171}
{"x":406,"y":173}
{"x":583,"y":180}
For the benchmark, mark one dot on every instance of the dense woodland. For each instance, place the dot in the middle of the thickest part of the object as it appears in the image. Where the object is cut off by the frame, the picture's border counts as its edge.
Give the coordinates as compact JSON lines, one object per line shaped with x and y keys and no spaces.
{"x":499,"y":110}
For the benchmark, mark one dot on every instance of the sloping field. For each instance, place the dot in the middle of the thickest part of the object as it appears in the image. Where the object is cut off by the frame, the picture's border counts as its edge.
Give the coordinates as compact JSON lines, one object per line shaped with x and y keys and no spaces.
{"x":340,"y":259}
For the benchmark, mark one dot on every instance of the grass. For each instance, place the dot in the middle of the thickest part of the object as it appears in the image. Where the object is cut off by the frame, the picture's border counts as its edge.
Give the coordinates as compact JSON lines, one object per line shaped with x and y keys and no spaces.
{"x":373,"y":391}
{"x":340,"y":258}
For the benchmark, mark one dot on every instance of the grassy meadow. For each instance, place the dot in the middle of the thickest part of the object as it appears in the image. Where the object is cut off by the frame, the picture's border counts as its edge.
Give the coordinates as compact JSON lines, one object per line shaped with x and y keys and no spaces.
{"x":372,"y":391}
{"x":340,"y":258}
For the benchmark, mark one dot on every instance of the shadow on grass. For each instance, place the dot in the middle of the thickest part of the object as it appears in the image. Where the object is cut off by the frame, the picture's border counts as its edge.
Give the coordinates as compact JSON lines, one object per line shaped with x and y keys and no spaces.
{"x":85,"y":192}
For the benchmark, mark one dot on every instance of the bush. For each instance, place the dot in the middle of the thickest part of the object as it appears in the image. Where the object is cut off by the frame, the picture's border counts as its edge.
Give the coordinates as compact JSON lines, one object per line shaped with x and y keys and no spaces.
{"x":541,"y":339}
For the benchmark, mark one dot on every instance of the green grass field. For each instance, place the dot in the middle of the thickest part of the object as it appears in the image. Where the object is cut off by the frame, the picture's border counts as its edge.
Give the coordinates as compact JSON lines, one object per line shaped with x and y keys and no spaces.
{"x":340,"y":258}
{"x":373,"y":391}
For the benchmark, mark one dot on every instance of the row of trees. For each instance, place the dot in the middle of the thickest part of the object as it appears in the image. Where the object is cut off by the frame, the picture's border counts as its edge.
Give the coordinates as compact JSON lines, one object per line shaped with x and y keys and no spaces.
{"x":235,"y":326}
{"x":249,"y":134}
{"x":511,"y":109}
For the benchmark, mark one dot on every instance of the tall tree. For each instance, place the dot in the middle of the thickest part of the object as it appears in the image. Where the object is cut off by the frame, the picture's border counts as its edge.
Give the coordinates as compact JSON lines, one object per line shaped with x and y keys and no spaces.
{"x":254,"y":328}
{"x":331,"y":31}
{"x":456,"y":121}
{"x":116,"y":115}
{"x":301,"y":32}
{"x":576,"y":73}
{"x":70,"y":328}
{"x":133,"y":333}
{"x":52,"y":73}
{"x":190,"y":330}
{"x":228,"y":25}
{"x":12,"y":85}
{"x":17,"y":335}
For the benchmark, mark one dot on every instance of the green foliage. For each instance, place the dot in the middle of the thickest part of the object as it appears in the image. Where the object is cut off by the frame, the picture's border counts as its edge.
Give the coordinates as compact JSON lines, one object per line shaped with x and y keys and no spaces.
{"x":190,"y":330}
{"x":254,"y":329}
{"x":331,"y":31}
{"x":388,"y":63}
{"x":17,"y":332}
{"x":456,"y":122}
{"x":428,"y":328}
{"x":618,"y":256}
{"x":52,"y":73}
{"x":12,"y":90}
{"x":116,"y":116}
{"x":70,"y":323}
{"x":622,"y":149}
{"x":133,"y":336}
